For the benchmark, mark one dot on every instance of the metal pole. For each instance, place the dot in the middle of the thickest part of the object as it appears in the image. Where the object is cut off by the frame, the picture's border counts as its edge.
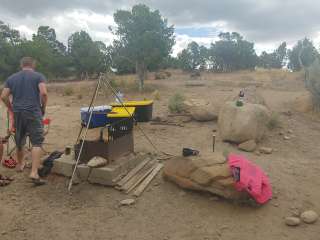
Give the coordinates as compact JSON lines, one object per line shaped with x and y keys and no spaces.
{"x":85,"y":135}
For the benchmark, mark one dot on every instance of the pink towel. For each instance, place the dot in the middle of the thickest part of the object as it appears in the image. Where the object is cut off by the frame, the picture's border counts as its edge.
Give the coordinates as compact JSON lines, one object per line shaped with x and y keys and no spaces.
{"x":251,"y":179}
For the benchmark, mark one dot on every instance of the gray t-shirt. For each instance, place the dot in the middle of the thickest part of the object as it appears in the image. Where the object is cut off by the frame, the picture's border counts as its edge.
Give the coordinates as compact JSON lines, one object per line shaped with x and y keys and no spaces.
{"x":24,"y":87}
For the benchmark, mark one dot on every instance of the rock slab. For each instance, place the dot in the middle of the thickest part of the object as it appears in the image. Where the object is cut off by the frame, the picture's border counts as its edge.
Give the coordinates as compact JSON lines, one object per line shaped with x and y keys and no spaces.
{"x":203,"y":173}
{"x":64,"y":165}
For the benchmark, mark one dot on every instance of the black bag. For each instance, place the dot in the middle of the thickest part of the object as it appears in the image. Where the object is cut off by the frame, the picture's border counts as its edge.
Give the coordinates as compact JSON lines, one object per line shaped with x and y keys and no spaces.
{"x":186,"y":152}
{"x":48,"y":163}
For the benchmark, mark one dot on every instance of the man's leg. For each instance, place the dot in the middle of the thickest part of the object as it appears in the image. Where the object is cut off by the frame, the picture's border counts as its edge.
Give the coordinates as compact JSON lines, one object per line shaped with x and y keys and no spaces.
{"x":36,"y":160}
{"x":35,"y":130}
{"x":20,"y":159}
{"x":20,"y":138}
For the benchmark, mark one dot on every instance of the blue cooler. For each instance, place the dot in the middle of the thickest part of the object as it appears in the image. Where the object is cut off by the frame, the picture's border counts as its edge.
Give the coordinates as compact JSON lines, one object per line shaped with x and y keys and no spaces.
{"x":99,"y":116}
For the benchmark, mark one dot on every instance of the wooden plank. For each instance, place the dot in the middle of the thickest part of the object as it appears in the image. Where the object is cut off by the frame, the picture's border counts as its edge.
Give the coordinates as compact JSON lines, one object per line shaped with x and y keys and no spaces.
{"x":141,"y":178}
{"x":136,"y":177}
{"x":133,"y":172}
{"x":147,"y":180}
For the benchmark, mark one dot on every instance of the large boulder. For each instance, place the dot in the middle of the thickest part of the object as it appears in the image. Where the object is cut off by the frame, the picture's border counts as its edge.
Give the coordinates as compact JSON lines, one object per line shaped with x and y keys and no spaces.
{"x":195,"y":103}
{"x":207,"y":174}
{"x":200,"y":110}
{"x":203,"y":114}
{"x":241,"y":124}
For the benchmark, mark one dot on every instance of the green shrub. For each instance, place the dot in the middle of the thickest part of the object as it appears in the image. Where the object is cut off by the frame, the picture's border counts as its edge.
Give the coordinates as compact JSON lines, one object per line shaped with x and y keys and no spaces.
{"x":313,"y":83}
{"x":156,"y":95}
{"x":68,"y":91}
{"x":176,"y":103}
{"x":274,"y":121}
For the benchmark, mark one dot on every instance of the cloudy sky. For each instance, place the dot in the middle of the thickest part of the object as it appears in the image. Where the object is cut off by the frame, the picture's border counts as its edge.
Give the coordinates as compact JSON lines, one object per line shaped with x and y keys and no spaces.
{"x":266,"y":22}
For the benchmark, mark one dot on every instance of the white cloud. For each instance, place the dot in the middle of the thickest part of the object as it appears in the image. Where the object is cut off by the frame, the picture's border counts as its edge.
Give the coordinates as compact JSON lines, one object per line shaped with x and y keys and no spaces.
{"x":67,"y":23}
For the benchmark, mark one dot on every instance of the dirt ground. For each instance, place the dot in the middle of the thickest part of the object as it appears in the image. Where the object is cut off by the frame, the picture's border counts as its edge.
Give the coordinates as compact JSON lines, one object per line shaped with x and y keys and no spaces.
{"x":165,"y":211}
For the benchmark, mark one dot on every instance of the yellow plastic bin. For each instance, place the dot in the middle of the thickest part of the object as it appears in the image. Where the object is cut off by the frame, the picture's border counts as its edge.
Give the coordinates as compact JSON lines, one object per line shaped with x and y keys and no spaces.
{"x":143,"y":111}
{"x":121,"y":112}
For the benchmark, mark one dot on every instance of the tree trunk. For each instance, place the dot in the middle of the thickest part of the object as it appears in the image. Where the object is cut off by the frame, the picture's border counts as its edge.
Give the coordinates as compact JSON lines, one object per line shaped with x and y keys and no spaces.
{"x":140,"y":70}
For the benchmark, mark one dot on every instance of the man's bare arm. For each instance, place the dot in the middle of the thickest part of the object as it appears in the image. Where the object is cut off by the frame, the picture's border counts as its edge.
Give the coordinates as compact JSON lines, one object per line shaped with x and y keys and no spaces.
{"x":5,"y":98}
{"x":44,"y":96}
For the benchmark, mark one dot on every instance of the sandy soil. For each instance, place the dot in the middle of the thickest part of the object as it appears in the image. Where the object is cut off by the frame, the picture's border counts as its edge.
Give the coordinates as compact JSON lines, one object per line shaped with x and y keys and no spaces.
{"x":164,"y":211}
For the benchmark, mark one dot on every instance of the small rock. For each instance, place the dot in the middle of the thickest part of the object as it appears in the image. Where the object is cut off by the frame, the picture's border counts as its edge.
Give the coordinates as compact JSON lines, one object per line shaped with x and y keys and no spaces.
{"x":215,"y":199}
{"x":292,"y":221}
{"x":286,"y":138}
{"x":257,"y":153}
{"x":281,"y":133}
{"x":265,"y":150}
{"x":248,"y":146}
{"x":96,"y":162}
{"x":309,"y":216}
{"x":296,"y":213}
{"x":182,"y":193}
{"x":224,"y":227}
{"x":4,"y":233}
{"x":127,"y":202}
{"x":290,"y":131}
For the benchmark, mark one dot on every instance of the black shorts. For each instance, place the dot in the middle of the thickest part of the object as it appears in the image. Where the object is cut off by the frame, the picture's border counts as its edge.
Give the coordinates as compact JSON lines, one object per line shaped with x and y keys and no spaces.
{"x":28,"y":124}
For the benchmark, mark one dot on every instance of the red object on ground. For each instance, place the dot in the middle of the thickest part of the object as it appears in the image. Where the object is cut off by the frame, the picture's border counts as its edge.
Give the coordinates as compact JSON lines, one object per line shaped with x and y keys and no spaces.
{"x":251,"y":179}
{"x":46,"y":121}
{"x":9,"y":163}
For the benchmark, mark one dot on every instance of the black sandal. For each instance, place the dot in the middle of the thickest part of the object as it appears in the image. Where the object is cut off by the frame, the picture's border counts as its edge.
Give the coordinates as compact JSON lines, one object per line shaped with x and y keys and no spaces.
{"x":38,"y":182}
{"x":4,"y":183}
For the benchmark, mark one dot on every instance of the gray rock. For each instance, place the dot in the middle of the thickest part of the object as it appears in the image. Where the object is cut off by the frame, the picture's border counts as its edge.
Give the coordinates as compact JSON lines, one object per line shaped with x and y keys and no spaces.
{"x":309,"y":216}
{"x":127,"y":202}
{"x":265,"y":150}
{"x":286,"y":138}
{"x":241,"y":124}
{"x":292,"y":221}
{"x":248,"y":146}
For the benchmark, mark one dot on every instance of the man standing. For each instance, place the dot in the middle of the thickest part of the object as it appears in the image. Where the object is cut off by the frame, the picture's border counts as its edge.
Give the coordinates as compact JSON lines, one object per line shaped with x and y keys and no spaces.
{"x":29,"y":100}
